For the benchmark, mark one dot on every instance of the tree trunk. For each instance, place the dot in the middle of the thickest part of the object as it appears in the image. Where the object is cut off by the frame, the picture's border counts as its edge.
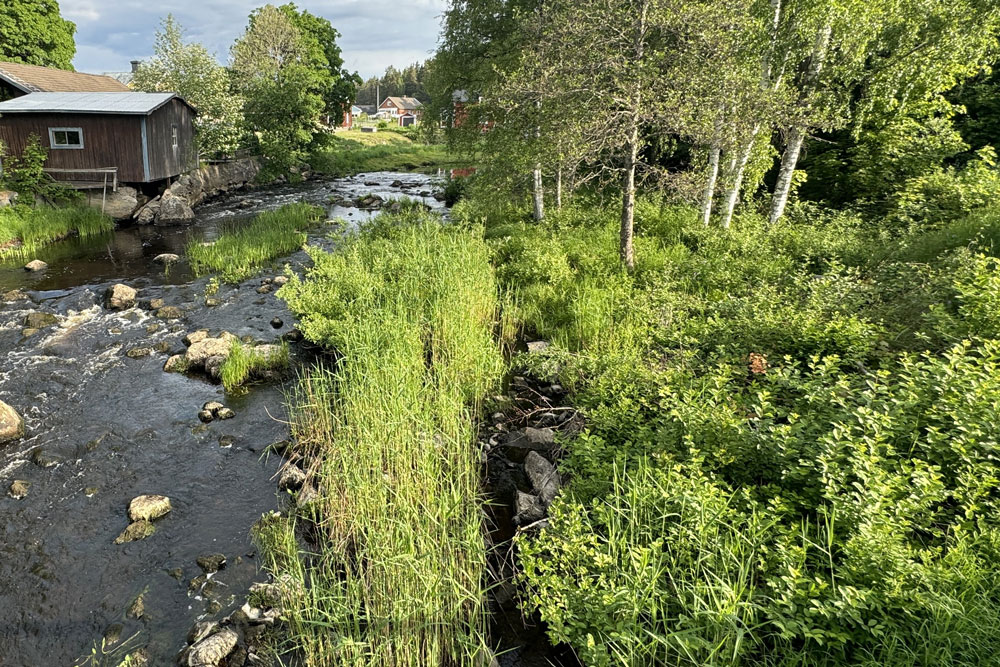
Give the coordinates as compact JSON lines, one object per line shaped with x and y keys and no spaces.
{"x":538,"y":193}
{"x":797,"y":133}
{"x":767,"y":81}
{"x":627,"y":248}
{"x":733,"y":194}
{"x":709,"y":193}
{"x":784,"y":184}
{"x":559,"y":188}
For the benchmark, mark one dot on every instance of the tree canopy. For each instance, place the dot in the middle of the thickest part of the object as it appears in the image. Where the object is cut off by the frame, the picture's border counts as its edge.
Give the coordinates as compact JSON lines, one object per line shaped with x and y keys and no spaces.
{"x":33,"y":32}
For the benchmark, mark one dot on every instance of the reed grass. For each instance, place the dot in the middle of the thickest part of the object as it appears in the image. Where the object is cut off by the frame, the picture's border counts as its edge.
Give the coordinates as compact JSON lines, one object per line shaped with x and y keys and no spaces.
{"x":24,"y":230}
{"x":246,"y":362}
{"x":387,"y":435}
{"x":241,"y":252}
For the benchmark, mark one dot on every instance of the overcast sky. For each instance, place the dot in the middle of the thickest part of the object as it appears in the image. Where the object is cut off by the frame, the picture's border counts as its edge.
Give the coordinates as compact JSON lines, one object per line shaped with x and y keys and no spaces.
{"x":374,"y":33}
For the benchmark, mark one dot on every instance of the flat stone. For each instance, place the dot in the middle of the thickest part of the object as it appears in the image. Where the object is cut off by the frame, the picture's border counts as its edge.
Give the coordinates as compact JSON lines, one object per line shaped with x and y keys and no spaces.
{"x":138,"y":607}
{"x":206,"y":348}
{"x":544,"y":477}
{"x":264,"y":289}
{"x":195,"y":337}
{"x":119,"y":297}
{"x":139,"y":352}
{"x":212,"y":650}
{"x":528,"y":509}
{"x":18,"y":489}
{"x":148,"y":507}
{"x":212,"y":302}
{"x":225,"y":413}
{"x":212,"y":406}
{"x":540,"y":436}
{"x":11,"y":424}
{"x":138,"y":530}
{"x":156,"y":304}
{"x":170,"y":313}
{"x":36,"y":265}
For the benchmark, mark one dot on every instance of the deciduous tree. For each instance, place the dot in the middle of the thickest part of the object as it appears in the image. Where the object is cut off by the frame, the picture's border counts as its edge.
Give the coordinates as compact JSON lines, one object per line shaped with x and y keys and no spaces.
{"x":33,"y":32}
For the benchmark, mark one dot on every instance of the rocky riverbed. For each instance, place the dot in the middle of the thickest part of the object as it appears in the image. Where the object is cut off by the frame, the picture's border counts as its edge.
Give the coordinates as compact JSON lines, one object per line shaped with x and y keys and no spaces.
{"x":104,"y":425}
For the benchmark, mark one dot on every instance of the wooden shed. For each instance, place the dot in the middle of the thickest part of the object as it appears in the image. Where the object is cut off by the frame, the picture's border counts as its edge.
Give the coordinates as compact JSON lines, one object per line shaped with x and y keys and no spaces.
{"x":140,"y":137}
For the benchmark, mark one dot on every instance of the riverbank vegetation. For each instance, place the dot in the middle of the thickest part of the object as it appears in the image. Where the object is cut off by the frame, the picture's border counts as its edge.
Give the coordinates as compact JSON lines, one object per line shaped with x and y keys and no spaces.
{"x":386,"y":436}
{"x":353,"y":152}
{"x":245,"y":363}
{"x":23,"y":230}
{"x":240,"y":252}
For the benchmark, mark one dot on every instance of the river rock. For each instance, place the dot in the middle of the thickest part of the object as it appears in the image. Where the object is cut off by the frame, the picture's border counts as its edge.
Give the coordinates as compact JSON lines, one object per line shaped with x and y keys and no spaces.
{"x":292,"y":478}
{"x":156,"y":304}
{"x":14,"y":295}
{"x":211,"y":562}
{"x":138,"y":530}
{"x":117,"y":204}
{"x":119,"y":297}
{"x":170,"y":313}
{"x":281,"y":280}
{"x":225,"y":413}
{"x":277,"y":323}
{"x":39,"y":320}
{"x":200,"y":630}
{"x":176,"y":364}
{"x":167,"y":258}
{"x":138,"y":607}
{"x":212,"y":650}
{"x":207,"y":348}
{"x":18,"y":489}
{"x":195,"y":337}
{"x":139,"y":352}
{"x":537,"y":346}
{"x":11,"y":424}
{"x":147,"y":214}
{"x":148,"y":507}
{"x":544,"y":477}
{"x":36,"y":265}
{"x":173,"y":209}
{"x":205,"y":416}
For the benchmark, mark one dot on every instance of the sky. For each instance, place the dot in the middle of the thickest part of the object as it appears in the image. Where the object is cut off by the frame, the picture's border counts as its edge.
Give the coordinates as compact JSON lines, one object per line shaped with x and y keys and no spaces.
{"x":374,"y":33}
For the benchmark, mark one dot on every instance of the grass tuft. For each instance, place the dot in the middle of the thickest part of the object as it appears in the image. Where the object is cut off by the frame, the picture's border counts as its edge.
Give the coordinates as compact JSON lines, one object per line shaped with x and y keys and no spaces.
{"x":246,"y":363}
{"x":24,"y":230}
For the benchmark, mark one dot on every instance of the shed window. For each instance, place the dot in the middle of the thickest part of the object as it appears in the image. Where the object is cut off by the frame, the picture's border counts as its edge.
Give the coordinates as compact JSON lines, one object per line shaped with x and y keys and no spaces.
{"x":65,"y":137}
{"x":173,"y":136}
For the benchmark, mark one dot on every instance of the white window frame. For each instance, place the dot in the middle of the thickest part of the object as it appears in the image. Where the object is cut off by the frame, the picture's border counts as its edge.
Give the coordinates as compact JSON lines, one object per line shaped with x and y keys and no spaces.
{"x":52,"y":138}
{"x":174,"y":136}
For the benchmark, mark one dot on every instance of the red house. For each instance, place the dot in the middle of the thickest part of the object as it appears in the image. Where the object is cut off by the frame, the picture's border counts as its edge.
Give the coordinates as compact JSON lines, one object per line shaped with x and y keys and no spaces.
{"x":403,"y":110}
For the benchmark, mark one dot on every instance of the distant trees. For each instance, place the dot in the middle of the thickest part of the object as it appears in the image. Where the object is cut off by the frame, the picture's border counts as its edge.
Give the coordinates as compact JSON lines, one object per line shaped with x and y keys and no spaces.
{"x":33,"y":32}
{"x":411,"y":81}
{"x":188,"y":69}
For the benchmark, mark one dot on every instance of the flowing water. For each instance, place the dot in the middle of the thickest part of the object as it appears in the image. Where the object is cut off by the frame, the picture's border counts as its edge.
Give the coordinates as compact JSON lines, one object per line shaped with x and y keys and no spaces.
{"x":103,"y":428}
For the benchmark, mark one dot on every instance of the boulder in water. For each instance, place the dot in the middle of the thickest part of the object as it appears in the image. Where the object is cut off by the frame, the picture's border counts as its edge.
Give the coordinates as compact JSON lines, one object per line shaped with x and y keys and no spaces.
{"x":170,"y":313}
{"x":148,"y":507}
{"x":138,"y":530}
{"x":212,"y":650}
{"x":167,"y":258}
{"x":11,"y":424}
{"x":176,"y":364}
{"x":292,"y":478}
{"x":119,"y":297}
{"x":18,"y":489}
{"x":173,"y":209}
{"x":36,"y":265}
{"x":211,"y":562}
{"x":39,"y":320}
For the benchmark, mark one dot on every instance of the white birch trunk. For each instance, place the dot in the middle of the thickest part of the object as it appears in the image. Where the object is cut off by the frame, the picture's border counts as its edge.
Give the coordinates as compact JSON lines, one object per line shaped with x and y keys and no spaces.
{"x":538,"y":193}
{"x":708,"y":195}
{"x":797,"y":133}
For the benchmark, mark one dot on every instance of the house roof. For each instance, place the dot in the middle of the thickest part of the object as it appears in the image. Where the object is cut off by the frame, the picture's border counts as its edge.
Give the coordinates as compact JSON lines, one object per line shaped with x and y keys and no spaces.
{"x":103,"y":103}
{"x":35,"y":79}
{"x":407,"y":103}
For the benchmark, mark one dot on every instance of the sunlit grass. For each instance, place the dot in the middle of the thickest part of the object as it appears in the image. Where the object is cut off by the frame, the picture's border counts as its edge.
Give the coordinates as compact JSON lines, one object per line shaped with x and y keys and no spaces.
{"x":24,"y":230}
{"x":239,"y":254}
{"x":354,"y":152}
{"x":246,"y":362}
{"x":388,"y":437}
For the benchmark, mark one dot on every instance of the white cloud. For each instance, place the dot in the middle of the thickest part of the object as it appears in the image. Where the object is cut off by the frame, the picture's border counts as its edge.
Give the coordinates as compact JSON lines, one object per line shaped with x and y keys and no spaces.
{"x":374,"y":33}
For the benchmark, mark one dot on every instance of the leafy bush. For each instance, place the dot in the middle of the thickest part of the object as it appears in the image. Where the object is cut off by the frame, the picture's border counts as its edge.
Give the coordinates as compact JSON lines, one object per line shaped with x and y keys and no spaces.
{"x":25,"y":174}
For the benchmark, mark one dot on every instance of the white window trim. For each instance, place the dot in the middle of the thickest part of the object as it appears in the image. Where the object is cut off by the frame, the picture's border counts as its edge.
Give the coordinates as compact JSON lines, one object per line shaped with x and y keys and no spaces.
{"x":174,"y":136}
{"x":52,"y":138}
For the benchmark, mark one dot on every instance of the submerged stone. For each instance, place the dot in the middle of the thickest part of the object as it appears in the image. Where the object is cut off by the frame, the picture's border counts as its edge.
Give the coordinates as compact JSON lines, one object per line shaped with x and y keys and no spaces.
{"x":36,"y":265}
{"x":119,"y":297}
{"x":211,"y":562}
{"x":18,"y":489}
{"x":138,"y":530}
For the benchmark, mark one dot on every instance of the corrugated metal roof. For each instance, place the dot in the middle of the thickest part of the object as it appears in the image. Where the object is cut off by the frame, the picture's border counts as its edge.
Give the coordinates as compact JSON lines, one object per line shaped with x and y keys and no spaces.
{"x":33,"y":79}
{"x":111,"y":103}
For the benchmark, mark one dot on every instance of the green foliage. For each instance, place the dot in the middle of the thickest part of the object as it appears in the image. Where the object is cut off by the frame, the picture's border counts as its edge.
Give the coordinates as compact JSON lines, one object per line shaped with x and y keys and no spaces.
{"x":23,"y":230}
{"x":409,"y":305}
{"x":240,"y":253}
{"x":245,"y":363}
{"x":33,"y":32}
{"x":188,"y":69}
{"x":25,"y":174}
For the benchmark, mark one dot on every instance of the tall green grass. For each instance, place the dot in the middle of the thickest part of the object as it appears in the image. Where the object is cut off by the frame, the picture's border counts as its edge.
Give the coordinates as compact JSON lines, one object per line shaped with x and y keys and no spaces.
{"x":24,"y":230}
{"x":239,"y":254}
{"x":246,"y":362}
{"x":387,"y":436}
{"x":338,"y":156}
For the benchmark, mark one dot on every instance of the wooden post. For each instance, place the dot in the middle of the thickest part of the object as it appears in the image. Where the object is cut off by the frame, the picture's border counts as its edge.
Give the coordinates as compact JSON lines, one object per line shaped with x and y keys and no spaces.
{"x":104,"y":192}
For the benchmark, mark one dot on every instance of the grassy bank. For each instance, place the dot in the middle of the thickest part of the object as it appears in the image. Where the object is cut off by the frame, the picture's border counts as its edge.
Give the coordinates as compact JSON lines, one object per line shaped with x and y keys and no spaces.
{"x":353,"y":151}
{"x":24,"y":230}
{"x":387,"y":439}
{"x":238,"y":254}
{"x":789,"y":457}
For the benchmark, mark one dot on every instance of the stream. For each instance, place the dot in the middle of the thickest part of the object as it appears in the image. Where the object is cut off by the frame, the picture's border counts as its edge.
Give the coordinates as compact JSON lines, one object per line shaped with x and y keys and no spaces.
{"x":103,"y":428}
